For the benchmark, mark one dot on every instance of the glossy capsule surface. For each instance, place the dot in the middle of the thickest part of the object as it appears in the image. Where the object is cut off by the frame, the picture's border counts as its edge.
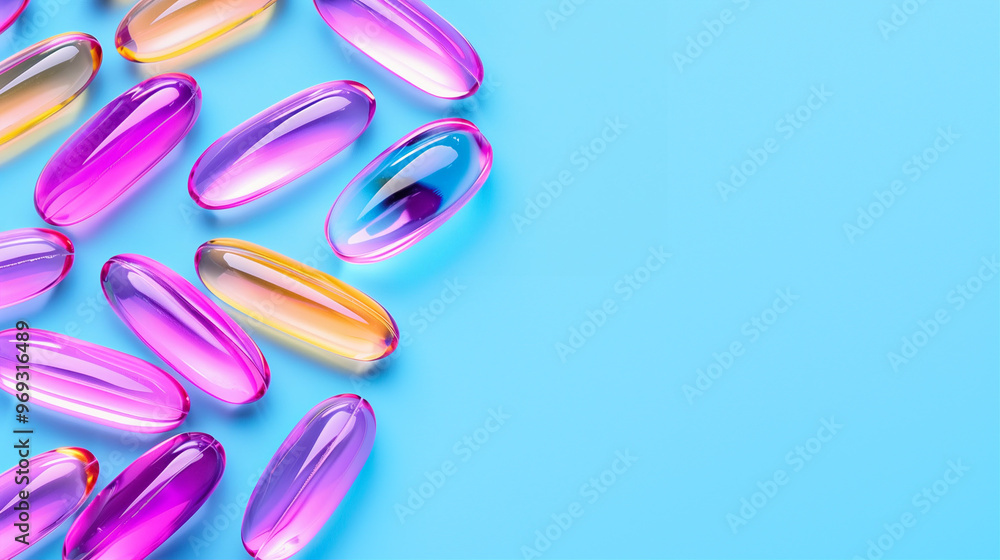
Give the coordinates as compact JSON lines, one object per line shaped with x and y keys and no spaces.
{"x":151,"y":498}
{"x":185,"y":328}
{"x":95,"y":383}
{"x":280,"y":144}
{"x":43,"y":78}
{"x":9,"y":10}
{"x":296,"y":299}
{"x":409,"y":190}
{"x":160,"y":29}
{"x":59,"y":481}
{"x":116,"y":147}
{"x":410,"y":40}
{"x":32,"y":261}
{"x":308,"y":477}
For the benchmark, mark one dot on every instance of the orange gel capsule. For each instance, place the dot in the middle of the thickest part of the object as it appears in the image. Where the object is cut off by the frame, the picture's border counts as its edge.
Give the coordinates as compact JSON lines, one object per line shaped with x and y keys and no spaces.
{"x":296,"y":299}
{"x":156,"y":30}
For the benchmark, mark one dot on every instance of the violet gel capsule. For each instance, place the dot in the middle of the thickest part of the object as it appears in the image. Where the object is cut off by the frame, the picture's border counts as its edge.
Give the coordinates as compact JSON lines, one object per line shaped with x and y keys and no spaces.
{"x":308,"y":477}
{"x":32,"y":261}
{"x":185,"y":328}
{"x":151,"y":498}
{"x":60,"y":481}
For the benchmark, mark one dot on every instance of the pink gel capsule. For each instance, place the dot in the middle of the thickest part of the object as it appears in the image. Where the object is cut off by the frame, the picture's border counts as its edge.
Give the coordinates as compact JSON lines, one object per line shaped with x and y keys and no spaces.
{"x":116,"y":147}
{"x":409,"y":190}
{"x":94,"y":383}
{"x":59,"y":481}
{"x":151,"y":498}
{"x":308,"y":477}
{"x":280,"y":144}
{"x":410,"y":40}
{"x":32,"y":260}
{"x":185,"y":328}
{"x":9,"y":10}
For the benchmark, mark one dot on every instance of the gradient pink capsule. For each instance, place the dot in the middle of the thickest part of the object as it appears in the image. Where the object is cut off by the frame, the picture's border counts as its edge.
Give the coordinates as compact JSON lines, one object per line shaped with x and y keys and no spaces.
{"x":32,"y":261}
{"x":185,"y":328}
{"x":410,"y":40}
{"x":308,"y":477}
{"x":9,"y":10}
{"x":94,"y":383}
{"x":149,"y":501}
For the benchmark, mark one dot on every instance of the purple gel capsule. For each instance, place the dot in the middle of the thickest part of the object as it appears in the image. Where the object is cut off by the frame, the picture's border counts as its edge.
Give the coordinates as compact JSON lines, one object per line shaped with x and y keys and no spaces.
{"x":280,"y":144}
{"x":308,"y":476}
{"x":9,"y":10}
{"x":410,"y":40}
{"x":95,"y":383}
{"x":185,"y":328}
{"x":59,"y":482}
{"x":148,"y":501}
{"x":116,"y":147}
{"x":32,"y":260}
{"x":409,"y":190}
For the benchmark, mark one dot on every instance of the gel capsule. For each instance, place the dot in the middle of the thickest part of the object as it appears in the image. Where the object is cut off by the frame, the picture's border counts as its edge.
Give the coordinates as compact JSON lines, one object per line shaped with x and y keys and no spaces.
{"x":185,"y":328}
{"x":95,"y":383}
{"x":32,"y":260}
{"x":297,"y":299}
{"x":410,"y":40}
{"x":148,"y":501}
{"x":409,"y":190}
{"x":59,"y":481}
{"x":116,"y":147}
{"x":43,"y":78}
{"x":9,"y":10}
{"x":308,"y":476}
{"x":160,"y":29}
{"x":281,"y":144}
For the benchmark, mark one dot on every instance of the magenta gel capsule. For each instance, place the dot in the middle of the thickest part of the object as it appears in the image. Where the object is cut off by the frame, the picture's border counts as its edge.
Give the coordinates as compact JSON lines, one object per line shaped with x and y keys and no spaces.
{"x":280,"y":144}
{"x":95,"y":383}
{"x":308,"y":476}
{"x":409,"y":190}
{"x":32,"y":261}
{"x":185,"y":328}
{"x":9,"y":10}
{"x":116,"y":147}
{"x":410,"y":40}
{"x":151,"y":498}
{"x":59,"y":481}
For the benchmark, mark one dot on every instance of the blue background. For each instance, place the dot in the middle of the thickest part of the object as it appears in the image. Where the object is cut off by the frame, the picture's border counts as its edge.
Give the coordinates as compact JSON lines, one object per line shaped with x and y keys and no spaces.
{"x":528,"y":276}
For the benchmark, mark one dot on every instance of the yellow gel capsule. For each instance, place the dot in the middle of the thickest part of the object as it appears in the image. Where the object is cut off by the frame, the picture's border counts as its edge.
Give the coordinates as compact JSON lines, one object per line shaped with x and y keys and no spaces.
{"x":156,"y":30}
{"x":296,"y":299}
{"x":43,"y":78}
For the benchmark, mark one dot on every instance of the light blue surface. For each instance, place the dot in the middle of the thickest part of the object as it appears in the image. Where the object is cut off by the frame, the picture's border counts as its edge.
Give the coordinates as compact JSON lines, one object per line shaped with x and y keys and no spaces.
{"x":553,"y":85}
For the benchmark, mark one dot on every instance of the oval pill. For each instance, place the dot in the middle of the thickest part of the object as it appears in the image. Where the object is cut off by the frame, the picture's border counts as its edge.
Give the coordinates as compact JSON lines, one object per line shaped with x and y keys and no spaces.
{"x":409,"y":190}
{"x":9,"y":10}
{"x":307,"y":478}
{"x":95,"y":383}
{"x":280,"y":144}
{"x":32,"y":261}
{"x":185,"y":328}
{"x":297,"y":299}
{"x":116,"y":147}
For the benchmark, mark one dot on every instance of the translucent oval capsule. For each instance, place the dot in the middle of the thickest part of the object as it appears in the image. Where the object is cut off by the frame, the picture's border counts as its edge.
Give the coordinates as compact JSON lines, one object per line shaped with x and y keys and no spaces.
{"x":32,"y":261}
{"x":409,"y":190}
{"x":43,"y":78}
{"x":185,"y":328}
{"x":9,"y":10}
{"x":281,"y":144}
{"x":308,"y":477}
{"x":160,"y":29}
{"x":410,"y":40}
{"x":95,"y":383}
{"x":151,"y":498}
{"x":297,"y":299}
{"x":116,"y":147}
